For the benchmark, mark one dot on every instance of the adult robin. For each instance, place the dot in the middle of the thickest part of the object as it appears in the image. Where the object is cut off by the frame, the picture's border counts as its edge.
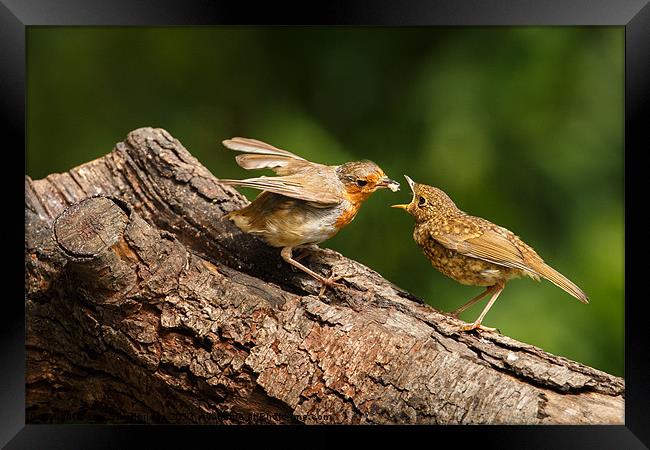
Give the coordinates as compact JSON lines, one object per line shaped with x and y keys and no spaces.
{"x":307,"y":203}
{"x":474,"y":251}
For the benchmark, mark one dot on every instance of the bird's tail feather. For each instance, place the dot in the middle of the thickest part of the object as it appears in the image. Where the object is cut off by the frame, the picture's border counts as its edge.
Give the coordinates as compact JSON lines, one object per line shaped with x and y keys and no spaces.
{"x":562,"y":282}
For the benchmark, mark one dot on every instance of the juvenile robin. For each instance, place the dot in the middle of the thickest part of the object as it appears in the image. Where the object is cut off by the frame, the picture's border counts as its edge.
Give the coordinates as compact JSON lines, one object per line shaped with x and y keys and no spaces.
{"x":307,"y":203}
{"x":474,"y":251}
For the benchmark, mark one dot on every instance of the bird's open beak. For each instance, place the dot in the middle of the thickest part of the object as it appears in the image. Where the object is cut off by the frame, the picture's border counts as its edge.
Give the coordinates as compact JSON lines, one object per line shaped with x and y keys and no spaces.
{"x":388,"y":183}
{"x":411,"y":185}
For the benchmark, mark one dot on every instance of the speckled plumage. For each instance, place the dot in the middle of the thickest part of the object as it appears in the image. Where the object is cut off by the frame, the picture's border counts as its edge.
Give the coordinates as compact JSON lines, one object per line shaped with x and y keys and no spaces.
{"x":474,"y":251}
{"x":469,"y":271}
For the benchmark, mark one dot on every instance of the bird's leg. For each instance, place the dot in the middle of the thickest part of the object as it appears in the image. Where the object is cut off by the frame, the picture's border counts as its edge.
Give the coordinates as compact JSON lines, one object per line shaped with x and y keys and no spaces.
{"x":477,"y":323}
{"x":305,"y":250}
{"x":326,"y":282}
{"x":458,"y":311}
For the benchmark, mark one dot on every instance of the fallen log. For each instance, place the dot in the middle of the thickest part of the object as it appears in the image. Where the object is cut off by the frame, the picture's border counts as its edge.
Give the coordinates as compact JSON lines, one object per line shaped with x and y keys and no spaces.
{"x":144,"y":305}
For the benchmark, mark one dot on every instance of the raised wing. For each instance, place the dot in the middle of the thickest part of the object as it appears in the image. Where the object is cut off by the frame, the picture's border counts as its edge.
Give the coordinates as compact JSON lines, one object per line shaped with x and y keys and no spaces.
{"x":254,"y":146}
{"x":260,"y":155}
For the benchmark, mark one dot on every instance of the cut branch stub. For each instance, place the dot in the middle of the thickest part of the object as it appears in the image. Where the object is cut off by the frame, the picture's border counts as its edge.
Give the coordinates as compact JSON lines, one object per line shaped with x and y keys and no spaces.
{"x":89,"y":227}
{"x":90,"y":233}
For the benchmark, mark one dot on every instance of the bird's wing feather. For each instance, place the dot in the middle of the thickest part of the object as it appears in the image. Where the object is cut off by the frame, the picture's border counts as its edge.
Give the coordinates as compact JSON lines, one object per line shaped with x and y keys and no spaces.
{"x":493,"y":246}
{"x":281,"y":165}
{"x":500,"y":246}
{"x":258,"y":147}
{"x":314,"y":188}
{"x":260,"y":155}
{"x":489,"y":243}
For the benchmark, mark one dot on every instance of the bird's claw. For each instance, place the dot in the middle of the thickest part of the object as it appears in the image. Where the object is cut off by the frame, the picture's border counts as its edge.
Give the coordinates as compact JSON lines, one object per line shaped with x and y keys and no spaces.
{"x":476,"y":326}
{"x":331,"y":282}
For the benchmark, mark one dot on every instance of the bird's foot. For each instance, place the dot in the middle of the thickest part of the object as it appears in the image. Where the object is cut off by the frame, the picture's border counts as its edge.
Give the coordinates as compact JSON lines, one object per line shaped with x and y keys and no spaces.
{"x":331,"y":282}
{"x":476,"y":326}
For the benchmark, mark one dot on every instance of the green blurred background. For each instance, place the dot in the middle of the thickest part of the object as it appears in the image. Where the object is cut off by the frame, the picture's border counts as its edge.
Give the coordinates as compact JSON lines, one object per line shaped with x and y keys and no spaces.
{"x":520,"y":125}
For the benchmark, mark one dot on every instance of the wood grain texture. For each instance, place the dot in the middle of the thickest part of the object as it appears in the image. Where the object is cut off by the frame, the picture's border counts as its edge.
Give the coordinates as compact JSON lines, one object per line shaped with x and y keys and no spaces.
{"x":143,"y":305}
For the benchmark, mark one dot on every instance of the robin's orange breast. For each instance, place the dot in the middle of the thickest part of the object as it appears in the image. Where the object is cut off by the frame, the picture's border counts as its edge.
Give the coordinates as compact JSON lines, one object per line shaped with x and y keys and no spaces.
{"x":347,"y":214}
{"x":350,"y":207}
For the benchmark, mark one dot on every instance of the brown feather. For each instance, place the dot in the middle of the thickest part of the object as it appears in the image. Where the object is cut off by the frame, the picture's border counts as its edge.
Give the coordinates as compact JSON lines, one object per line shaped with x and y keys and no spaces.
{"x":500,"y":246}
{"x":562,"y":282}
{"x":314,"y":189}
{"x":282,"y":165}
{"x":254,"y":146}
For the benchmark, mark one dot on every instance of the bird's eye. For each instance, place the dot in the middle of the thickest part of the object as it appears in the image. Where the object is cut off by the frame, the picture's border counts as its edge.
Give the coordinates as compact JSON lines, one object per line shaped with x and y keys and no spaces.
{"x":361,"y":183}
{"x":422,"y":201}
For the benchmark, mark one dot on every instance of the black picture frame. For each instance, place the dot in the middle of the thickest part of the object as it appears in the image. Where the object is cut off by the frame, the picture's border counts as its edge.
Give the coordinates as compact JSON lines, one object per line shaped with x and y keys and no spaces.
{"x":634,"y":15}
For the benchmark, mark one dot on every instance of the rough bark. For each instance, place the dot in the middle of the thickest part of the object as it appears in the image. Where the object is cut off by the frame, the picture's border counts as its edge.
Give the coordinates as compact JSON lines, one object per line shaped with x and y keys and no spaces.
{"x":144,"y":305}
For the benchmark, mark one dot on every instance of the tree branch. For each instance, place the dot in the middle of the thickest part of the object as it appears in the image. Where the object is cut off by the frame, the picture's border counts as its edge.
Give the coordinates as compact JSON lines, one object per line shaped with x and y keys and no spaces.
{"x":144,"y":305}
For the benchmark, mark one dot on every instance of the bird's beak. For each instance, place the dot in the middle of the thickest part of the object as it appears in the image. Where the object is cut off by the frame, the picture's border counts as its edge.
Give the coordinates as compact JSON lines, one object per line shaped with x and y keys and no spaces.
{"x":411,"y":183}
{"x":388,"y":183}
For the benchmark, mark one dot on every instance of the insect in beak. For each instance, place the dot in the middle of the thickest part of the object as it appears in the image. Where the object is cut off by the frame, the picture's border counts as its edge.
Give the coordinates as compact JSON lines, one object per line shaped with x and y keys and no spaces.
{"x":388,"y":183}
